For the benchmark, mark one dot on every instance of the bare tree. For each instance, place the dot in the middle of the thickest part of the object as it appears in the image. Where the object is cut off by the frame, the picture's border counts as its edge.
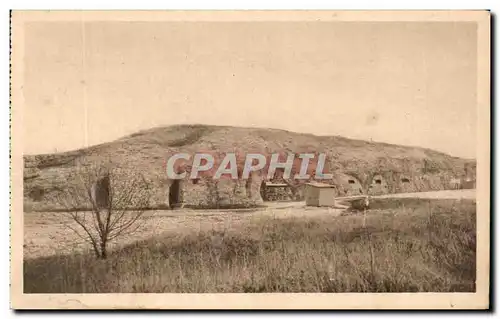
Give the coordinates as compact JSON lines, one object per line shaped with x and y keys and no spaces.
{"x":104,"y":203}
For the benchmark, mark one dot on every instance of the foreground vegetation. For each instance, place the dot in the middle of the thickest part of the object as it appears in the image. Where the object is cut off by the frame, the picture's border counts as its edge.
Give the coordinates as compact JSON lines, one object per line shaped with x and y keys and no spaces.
{"x":400,"y":246}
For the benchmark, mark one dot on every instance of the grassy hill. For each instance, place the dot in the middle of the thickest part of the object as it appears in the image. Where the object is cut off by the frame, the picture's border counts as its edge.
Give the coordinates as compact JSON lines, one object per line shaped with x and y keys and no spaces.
{"x":146,"y":152}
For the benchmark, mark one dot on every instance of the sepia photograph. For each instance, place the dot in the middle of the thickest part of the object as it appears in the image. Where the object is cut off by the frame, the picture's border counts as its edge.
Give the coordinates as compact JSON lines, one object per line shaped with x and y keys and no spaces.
{"x":250,"y":159}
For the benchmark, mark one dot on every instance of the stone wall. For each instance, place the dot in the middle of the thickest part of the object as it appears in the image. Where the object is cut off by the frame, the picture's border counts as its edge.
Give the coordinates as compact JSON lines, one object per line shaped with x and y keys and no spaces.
{"x":42,"y":180}
{"x":223,"y":193}
{"x":276,"y":193}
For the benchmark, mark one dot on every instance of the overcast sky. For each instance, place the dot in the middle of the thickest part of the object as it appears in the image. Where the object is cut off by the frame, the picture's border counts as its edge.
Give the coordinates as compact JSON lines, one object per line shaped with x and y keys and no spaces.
{"x":404,"y":83}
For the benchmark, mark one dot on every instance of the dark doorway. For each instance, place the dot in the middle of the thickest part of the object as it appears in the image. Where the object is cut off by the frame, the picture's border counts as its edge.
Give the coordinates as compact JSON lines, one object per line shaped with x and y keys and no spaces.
{"x":263,"y":191}
{"x":174,"y":194}
{"x":100,"y":193}
{"x":36,"y":193}
{"x":248,"y":186}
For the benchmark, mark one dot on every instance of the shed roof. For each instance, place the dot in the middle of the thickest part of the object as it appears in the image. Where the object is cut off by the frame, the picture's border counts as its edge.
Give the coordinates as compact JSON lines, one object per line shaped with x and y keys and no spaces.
{"x":321,"y":185}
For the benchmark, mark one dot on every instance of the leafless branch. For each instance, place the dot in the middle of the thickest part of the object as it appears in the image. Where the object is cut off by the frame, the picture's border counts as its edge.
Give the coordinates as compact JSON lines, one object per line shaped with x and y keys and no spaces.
{"x":125,"y":198}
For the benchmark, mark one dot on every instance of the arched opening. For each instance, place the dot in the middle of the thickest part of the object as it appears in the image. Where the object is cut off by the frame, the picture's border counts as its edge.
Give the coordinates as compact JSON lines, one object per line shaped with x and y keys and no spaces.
{"x":174,"y":194}
{"x":100,"y":193}
{"x":351,"y":186}
{"x":263,"y":191}
{"x":248,"y":186}
{"x":378,"y":185}
{"x":37,"y":193}
{"x":405,"y":180}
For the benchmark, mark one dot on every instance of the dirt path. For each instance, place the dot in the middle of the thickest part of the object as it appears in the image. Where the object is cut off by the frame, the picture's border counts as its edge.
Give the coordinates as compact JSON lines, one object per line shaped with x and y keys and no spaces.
{"x":47,"y":233}
{"x":446,"y":194}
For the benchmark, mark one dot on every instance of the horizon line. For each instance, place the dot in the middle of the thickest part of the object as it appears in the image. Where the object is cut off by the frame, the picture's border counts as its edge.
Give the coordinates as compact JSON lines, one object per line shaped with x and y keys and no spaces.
{"x":130,"y":135}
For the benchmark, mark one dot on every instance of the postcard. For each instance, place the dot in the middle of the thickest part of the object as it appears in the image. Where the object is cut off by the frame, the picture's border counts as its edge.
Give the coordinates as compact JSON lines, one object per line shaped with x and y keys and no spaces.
{"x":250,"y":159}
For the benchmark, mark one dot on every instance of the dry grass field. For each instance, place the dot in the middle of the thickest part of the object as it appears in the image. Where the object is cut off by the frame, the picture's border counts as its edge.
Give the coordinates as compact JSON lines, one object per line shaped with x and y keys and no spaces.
{"x":47,"y":233}
{"x":399,"y":245}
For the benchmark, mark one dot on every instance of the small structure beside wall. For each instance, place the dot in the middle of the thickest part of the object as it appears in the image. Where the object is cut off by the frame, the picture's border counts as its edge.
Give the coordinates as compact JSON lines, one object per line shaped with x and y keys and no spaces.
{"x":468,"y":183}
{"x":320,"y":194}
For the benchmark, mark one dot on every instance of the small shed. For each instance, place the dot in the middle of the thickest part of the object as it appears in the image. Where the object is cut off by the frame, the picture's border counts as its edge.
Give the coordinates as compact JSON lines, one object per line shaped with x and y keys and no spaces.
{"x":320,"y":194}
